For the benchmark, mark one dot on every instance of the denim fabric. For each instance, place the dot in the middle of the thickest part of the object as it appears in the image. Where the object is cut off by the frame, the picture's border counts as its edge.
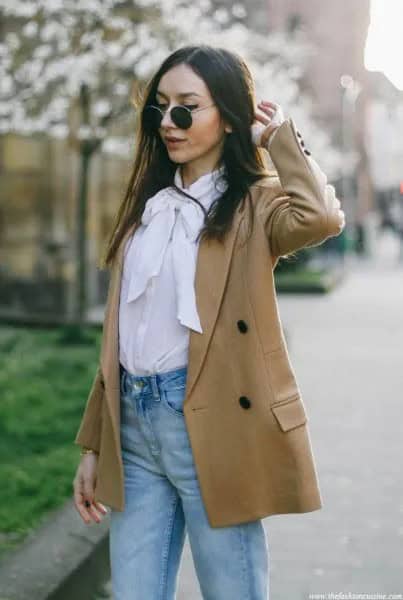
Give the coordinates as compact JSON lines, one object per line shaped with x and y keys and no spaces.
{"x":163,"y":503}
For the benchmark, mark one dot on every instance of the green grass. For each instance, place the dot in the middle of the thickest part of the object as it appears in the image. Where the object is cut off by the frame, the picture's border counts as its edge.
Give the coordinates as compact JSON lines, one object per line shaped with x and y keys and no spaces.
{"x":306,"y":281}
{"x":44,"y":384}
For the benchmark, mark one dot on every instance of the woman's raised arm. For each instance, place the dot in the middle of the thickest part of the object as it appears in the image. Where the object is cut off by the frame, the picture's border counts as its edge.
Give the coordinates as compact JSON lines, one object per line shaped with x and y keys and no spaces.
{"x":304,"y":210}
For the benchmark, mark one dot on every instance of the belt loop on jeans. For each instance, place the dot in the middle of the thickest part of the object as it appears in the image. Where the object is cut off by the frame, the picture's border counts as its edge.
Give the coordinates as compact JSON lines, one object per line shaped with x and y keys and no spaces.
{"x":154,"y":386}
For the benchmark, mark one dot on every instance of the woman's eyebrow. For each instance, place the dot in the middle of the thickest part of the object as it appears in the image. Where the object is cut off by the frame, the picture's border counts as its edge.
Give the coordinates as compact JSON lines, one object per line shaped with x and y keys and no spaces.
{"x":182,"y":95}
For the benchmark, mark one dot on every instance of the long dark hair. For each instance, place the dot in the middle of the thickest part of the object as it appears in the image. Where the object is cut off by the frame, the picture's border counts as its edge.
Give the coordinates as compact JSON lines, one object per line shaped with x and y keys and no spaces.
{"x":231,"y":86}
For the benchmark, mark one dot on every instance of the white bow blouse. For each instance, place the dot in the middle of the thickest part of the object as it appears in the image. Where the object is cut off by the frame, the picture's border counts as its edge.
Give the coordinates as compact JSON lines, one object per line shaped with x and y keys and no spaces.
{"x":157,"y":301}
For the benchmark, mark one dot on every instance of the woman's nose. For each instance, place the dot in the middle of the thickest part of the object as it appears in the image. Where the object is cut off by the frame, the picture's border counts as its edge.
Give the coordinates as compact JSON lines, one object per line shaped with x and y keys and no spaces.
{"x":166,"y":119}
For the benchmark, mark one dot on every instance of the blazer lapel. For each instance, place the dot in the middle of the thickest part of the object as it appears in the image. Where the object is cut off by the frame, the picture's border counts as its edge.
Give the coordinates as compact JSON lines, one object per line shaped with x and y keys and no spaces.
{"x":212,"y":268}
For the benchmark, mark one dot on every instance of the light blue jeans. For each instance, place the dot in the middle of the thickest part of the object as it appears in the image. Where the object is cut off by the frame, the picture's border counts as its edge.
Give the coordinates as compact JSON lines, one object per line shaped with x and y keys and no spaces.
{"x":163,"y":503}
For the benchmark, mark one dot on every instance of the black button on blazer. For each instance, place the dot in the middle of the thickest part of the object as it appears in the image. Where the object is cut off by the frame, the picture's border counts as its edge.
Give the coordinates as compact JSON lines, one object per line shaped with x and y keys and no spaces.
{"x":242,"y":326}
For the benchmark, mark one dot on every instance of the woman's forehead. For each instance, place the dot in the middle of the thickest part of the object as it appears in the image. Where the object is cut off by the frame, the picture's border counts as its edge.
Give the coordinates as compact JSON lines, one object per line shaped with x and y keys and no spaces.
{"x":182,"y":82}
{"x":178,"y":94}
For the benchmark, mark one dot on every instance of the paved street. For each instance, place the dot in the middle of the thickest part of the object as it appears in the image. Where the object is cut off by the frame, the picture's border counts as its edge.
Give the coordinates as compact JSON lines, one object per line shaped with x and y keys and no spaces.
{"x":347,"y":352}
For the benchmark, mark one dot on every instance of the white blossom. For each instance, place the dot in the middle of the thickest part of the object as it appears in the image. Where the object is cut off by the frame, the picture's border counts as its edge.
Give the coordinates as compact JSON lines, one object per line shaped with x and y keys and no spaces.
{"x":59,"y":49}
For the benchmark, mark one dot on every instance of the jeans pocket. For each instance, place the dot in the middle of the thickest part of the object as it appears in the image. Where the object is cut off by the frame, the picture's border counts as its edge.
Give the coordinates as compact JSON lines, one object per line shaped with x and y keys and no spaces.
{"x":173,"y":399}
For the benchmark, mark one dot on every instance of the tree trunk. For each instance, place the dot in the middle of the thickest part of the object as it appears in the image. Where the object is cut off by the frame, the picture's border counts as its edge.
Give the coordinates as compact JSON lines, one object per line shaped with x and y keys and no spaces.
{"x":86,"y":149}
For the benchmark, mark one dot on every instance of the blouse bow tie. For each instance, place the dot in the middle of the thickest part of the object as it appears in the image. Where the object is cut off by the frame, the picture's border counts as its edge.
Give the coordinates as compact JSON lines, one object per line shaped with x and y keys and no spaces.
{"x":169,"y":214}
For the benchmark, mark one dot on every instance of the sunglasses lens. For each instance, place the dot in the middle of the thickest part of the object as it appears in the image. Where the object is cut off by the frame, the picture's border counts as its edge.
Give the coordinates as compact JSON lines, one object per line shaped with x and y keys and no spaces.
{"x":152,"y":117}
{"x":182,"y":117}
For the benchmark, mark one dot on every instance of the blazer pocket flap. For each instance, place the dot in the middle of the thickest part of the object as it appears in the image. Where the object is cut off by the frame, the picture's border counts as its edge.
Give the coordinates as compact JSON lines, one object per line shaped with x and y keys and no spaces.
{"x":290,"y":414}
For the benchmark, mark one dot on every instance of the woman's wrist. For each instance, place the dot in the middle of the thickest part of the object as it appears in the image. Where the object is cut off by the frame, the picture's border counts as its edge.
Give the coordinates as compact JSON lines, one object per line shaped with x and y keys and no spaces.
{"x":86,"y":450}
{"x":263,"y":137}
{"x":268,"y":136}
{"x":263,"y":134}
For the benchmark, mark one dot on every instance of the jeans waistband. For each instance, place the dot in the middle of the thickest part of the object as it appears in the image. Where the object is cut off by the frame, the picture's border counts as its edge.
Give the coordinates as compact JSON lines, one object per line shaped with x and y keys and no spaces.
{"x":155,"y":382}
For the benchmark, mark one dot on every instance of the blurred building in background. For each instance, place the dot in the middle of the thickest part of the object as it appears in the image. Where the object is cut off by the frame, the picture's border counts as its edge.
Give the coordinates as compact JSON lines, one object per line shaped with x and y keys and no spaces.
{"x":385,"y":149}
{"x":38,"y":217}
{"x":337,"y":79}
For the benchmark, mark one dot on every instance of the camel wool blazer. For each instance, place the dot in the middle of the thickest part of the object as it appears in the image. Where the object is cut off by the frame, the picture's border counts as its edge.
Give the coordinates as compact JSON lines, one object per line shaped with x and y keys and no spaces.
{"x":244,"y":411}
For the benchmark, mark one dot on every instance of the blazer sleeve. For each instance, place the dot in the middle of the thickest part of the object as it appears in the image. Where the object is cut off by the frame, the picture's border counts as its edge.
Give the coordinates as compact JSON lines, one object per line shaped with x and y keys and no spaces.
{"x":300,"y":212}
{"x":89,"y":432}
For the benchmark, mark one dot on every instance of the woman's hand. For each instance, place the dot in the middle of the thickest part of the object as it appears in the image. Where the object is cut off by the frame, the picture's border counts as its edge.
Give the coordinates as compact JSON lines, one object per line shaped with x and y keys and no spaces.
{"x":84,"y":486}
{"x":267,"y":123}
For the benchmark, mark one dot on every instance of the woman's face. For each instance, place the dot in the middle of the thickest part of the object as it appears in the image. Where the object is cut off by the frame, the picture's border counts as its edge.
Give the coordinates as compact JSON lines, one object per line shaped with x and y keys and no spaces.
{"x":202,"y":143}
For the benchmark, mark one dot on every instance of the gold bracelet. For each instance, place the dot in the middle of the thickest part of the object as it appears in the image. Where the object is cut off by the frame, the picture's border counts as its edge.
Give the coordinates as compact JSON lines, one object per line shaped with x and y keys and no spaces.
{"x":86,"y":450}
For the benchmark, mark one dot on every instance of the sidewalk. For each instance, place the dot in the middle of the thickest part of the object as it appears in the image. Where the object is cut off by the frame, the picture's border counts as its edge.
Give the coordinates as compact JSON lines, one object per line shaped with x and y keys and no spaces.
{"x":347,"y":352}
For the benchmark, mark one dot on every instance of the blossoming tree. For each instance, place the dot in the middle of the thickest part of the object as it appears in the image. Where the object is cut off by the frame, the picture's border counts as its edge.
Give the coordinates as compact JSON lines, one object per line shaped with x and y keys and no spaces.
{"x":68,"y":70}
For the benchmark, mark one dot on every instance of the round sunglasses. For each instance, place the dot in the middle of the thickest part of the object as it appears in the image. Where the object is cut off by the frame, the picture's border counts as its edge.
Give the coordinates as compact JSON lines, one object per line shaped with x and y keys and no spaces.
{"x":180,"y":115}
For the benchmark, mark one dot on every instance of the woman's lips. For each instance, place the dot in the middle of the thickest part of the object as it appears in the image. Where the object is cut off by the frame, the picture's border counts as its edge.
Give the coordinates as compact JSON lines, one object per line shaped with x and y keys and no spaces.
{"x":173,"y":143}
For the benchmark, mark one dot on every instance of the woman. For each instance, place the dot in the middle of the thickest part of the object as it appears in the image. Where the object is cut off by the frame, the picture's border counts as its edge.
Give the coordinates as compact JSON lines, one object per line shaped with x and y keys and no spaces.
{"x":195,"y":421}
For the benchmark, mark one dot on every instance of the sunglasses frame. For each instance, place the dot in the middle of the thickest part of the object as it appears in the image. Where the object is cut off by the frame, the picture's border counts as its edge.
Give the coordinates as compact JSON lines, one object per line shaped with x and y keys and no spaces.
{"x":181,"y":107}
